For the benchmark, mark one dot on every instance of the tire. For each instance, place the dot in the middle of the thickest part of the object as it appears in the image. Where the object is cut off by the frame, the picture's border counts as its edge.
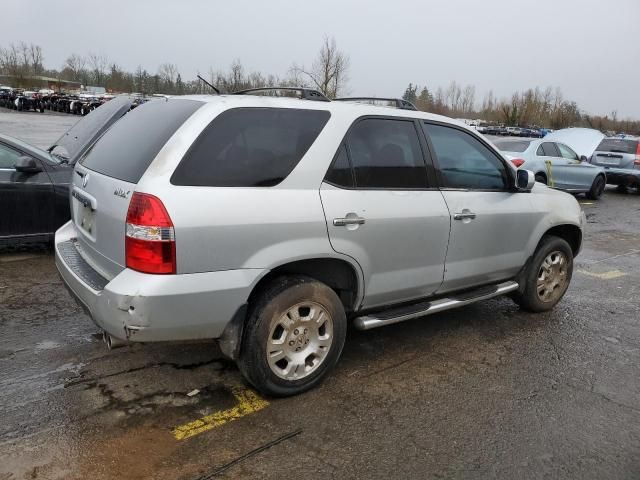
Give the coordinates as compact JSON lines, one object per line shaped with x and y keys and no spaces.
{"x":541,"y":178}
{"x":597,"y":188}
{"x":550,"y":247}
{"x":273,"y":310}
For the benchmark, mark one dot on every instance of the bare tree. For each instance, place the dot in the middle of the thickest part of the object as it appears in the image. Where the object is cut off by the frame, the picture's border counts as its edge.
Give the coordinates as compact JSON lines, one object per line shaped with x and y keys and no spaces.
{"x":468,"y":99}
{"x":329,"y":71}
{"x":168,"y":73}
{"x":35,"y":59}
{"x":76,"y":64}
{"x":99,"y":65}
{"x":10,"y":62}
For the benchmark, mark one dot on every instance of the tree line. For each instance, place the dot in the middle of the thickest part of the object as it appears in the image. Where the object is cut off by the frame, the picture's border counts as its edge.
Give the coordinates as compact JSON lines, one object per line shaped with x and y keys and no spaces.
{"x":532,"y":107}
{"x":327,"y":72}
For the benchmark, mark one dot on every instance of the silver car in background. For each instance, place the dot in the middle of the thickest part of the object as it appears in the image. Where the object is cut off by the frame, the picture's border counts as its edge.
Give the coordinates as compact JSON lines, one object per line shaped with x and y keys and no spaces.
{"x":555,"y":164}
{"x":620,"y":158}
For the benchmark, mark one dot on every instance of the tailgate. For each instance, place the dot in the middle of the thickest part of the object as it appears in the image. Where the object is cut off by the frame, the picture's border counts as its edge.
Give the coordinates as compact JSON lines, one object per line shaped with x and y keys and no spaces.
{"x":99,"y":207}
{"x":607,"y":159}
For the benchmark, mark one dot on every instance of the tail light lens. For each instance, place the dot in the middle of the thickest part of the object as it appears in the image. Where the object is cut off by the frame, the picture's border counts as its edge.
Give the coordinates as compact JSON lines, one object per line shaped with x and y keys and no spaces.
{"x":150,"y":243}
{"x":518,"y":162}
{"x":636,"y":162}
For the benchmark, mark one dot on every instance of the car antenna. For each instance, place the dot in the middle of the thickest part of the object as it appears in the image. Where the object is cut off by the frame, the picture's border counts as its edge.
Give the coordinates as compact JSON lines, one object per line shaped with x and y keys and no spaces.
{"x":204,"y":81}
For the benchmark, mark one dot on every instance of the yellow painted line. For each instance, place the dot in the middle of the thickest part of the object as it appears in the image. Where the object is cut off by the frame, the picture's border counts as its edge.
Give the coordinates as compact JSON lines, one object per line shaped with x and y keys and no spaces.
{"x":248,"y":402}
{"x":606,"y":275}
{"x":586,"y":203}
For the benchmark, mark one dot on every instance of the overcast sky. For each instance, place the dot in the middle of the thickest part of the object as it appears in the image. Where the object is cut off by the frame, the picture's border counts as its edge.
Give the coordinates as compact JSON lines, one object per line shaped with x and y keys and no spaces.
{"x":588,"y":48}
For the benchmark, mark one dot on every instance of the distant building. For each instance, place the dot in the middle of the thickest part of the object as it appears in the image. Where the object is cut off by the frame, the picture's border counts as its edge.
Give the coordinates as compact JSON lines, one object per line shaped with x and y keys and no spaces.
{"x":40,"y":81}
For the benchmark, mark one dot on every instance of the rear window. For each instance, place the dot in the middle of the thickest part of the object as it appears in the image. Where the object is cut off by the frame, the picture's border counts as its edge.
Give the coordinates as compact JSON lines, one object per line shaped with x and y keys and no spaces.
{"x":130,"y":145}
{"x":618,"y":145}
{"x":520,"y":146}
{"x":250,"y":147}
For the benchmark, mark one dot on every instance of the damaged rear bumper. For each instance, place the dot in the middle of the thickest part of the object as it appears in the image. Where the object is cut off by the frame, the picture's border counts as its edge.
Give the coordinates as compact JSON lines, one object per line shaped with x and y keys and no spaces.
{"x":141,"y":307}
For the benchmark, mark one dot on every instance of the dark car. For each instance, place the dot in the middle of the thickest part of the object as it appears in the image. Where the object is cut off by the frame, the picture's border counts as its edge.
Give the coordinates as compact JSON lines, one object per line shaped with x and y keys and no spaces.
{"x":34,"y":183}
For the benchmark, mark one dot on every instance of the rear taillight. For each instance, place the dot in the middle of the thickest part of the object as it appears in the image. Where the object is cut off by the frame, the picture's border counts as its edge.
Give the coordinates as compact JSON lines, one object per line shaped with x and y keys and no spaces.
{"x":518,"y":162}
{"x":150,"y":244}
{"x":636,"y":162}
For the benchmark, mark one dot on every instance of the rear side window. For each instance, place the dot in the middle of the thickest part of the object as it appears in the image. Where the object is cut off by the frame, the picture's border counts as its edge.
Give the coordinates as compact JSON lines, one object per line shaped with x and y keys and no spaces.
{"x":548,"y":149}
{"x":618,"y":145}
{"x":127,"y":149}
{"x":386,"y":154}
{"x":250,"y":147}
{"x":464,"y":161}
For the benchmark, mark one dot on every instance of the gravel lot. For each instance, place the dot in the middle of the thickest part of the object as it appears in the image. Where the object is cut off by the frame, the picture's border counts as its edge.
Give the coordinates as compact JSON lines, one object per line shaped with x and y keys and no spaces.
{"x":486,"y":391}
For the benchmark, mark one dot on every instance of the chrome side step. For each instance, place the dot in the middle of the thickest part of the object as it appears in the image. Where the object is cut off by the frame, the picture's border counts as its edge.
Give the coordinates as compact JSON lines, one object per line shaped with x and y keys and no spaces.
{"x":401,"y":314}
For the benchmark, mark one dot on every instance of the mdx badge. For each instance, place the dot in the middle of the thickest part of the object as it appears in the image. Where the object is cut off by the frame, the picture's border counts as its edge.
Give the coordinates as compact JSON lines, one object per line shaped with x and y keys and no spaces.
{"x":118,"y":192}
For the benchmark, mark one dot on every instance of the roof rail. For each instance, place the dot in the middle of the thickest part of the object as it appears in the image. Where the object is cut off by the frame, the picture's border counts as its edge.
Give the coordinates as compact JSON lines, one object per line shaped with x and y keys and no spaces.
{"x":305,"y":93}
{"x":396,"y":102}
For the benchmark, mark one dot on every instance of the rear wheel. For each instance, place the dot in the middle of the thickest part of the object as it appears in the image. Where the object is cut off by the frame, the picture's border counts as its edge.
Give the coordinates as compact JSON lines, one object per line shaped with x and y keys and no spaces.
{"x":596,"y":188}
{"x":294,"y":335}
{"x":548,"y":276}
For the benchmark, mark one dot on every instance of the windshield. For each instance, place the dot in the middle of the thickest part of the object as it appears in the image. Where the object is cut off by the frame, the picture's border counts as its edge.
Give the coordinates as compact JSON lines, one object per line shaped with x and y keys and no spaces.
{"x":509,"y":146}
{"x":618,"y":145}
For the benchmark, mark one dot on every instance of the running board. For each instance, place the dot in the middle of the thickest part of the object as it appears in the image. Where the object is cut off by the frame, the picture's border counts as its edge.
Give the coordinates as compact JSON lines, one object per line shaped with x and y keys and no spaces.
{"x":401,"y":314}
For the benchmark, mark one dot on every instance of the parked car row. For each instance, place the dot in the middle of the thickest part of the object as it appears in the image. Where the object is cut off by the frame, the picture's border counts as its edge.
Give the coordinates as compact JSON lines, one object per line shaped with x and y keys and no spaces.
{"x":39,"y":101}
{"x":500,"y":130}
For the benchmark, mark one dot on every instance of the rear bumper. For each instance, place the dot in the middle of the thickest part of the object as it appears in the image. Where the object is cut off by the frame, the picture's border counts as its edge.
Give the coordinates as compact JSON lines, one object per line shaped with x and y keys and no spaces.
{"x":623,"y":176}
{"x":147,"y":308}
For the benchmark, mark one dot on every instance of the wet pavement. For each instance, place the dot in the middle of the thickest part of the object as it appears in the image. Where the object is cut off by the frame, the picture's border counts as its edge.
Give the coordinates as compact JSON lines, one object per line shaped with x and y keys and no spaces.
{"x":486,"y":391}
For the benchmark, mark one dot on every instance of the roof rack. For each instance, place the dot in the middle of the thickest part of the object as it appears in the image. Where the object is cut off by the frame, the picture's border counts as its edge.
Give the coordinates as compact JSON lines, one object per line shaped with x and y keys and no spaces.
{"x":305,"y":93}
{"x":396,"y":102}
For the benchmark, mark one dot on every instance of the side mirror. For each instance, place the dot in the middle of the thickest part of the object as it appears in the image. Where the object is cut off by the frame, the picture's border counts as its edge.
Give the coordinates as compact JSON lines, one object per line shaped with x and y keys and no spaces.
{"x":526,"y":179}
{"x":583,"y":158}
{"x":27,"y":165}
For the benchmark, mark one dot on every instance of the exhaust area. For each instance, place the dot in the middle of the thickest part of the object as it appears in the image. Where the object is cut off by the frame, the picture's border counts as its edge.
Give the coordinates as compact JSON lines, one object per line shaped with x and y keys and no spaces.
{"x":113,"y":342}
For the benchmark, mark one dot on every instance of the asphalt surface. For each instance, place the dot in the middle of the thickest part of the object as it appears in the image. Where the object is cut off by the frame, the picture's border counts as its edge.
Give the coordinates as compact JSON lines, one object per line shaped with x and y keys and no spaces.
{"x":486,"y":391}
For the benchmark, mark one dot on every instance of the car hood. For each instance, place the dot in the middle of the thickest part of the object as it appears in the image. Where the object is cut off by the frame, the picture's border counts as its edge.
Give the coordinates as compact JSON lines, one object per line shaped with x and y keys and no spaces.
{"x":87,"y":130}
{"x":582,"y":140}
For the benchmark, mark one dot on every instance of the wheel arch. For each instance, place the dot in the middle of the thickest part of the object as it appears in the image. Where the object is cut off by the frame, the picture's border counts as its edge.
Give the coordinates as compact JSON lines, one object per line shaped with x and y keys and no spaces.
{"x":572,"y":234}
{"x":342,"y":276}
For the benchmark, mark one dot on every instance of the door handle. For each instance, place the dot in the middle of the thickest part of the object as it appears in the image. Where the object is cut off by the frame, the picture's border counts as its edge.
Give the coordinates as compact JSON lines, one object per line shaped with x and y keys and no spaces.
{"x":342,"y":222}
{"x":462,"y":216}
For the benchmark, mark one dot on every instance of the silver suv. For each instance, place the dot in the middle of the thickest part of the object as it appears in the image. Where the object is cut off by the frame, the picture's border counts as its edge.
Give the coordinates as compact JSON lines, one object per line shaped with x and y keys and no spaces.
{"x":271,"y":223}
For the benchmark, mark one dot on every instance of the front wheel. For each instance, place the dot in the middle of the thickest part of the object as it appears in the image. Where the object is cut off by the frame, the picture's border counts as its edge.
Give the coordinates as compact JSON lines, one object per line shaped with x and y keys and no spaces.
{"x":547,"y":277}
{"x":294,"y":335}
{"x":597,"y":188}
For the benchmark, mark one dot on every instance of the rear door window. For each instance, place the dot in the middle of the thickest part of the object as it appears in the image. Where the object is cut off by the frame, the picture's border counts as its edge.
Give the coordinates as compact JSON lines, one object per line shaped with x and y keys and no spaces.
{"x":127,"y":149}
{"x":250,"y":147}
{"x":340,"y":174}
{"x":386,"y":153}
{"x":548,"y":149}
